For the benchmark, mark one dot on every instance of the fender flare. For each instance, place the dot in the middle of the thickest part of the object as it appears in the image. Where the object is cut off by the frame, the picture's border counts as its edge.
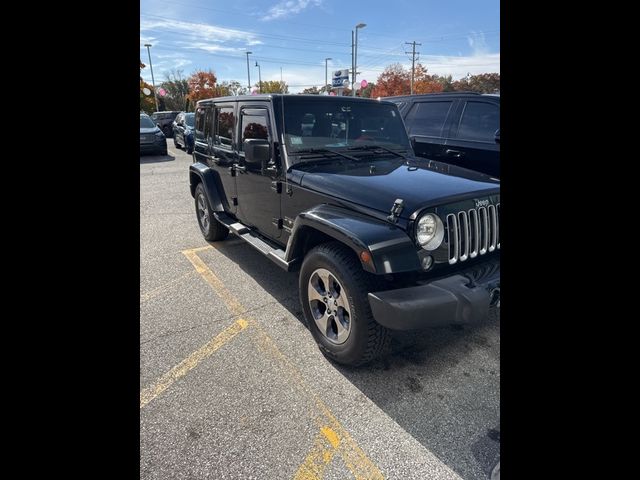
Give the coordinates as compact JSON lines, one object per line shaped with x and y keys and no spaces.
{"x":199,"y":173}
{"x":391,"y":249}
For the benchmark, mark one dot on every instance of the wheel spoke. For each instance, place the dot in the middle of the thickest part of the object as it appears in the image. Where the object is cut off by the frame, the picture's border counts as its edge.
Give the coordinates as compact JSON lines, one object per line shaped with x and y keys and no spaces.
{"x":342,"y":324}
{"x":313,"y":293}
{"x":322,"y":324}
{"x":324,"y":276}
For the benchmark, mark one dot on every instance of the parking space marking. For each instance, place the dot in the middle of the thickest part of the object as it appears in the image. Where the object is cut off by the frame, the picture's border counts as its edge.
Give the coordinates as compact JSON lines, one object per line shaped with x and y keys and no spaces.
{"x":191,"y":362}
{"x":229,"y":300}
{"x":320,"y":456}
{"x":354,"y":457}
{"x":144,"y":297}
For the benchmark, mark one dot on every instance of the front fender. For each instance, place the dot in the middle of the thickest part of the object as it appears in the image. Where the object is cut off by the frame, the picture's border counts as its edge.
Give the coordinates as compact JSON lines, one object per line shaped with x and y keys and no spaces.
{"x":391,"y":249}
{"x":199,"y":172}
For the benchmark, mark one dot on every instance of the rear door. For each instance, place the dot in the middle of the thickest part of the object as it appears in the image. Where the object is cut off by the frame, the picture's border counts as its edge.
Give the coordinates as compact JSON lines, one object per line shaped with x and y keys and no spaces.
{"x":428,"y":123}
{"x":472,"y":143}
{"x":258,"y":202}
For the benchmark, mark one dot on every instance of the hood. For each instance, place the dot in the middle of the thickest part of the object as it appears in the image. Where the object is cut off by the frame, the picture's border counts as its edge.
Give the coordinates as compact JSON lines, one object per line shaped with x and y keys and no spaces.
{"x":377,"y":183}
{"x":150,"y":130}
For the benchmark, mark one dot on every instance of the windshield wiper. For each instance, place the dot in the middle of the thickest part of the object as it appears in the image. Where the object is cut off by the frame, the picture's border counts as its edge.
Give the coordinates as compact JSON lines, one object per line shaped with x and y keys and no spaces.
{"x":376,"y":147}
{"x":324,"y":151}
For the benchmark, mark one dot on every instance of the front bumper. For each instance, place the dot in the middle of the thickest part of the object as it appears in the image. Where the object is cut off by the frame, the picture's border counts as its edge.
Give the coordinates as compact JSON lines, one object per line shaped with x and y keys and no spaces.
{"x":462,"y":298}
{"x":158,"y":146}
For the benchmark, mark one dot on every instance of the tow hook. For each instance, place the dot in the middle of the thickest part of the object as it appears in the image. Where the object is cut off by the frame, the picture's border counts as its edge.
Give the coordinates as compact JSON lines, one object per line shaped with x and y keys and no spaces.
{"x":494,"y":297}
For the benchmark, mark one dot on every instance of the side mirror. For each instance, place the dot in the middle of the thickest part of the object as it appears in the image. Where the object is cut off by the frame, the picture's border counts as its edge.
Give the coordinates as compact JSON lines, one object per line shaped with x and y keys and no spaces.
{"x":498,"y":136}
{"x":257,"y":153}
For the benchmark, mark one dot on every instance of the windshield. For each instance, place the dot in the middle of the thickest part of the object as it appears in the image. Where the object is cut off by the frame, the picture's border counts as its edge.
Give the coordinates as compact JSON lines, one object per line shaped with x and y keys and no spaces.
{"x":189,"y":119}
{"x":146,"y":122}
{"x":314,"y":124}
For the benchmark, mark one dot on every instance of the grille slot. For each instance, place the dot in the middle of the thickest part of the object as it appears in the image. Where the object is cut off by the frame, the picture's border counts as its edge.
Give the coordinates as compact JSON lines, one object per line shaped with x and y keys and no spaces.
{"x":473,"y":232}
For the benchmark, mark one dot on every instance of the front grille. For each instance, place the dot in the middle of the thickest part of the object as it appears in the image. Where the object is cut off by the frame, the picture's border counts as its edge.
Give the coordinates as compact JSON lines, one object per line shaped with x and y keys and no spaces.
{"x":474,"y":232}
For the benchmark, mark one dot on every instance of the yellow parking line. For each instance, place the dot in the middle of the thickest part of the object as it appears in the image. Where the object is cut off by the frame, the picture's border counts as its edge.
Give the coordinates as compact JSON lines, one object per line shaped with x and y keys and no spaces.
{"x":354,"y":457}
{"x":191,"y":362}
{"x":229,"y":300}
{"x":322,"y":452}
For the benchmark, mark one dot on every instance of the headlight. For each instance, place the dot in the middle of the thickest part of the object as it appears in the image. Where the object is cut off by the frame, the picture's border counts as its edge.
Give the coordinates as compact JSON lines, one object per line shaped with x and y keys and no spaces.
{"x":429,"y":231}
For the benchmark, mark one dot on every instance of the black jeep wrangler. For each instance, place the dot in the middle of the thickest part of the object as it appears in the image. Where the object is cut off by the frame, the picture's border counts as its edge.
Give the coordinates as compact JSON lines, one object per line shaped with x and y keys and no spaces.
{"x":330,"y":185}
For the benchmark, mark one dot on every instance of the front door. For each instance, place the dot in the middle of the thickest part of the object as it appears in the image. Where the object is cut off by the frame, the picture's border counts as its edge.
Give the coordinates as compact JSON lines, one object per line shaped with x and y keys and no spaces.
{"x":258,"y":200}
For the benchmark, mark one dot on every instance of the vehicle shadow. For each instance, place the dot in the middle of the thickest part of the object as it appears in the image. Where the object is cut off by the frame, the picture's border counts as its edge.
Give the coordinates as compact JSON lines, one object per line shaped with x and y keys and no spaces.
{"x":156,"y":158}
{"x":441,"y":385}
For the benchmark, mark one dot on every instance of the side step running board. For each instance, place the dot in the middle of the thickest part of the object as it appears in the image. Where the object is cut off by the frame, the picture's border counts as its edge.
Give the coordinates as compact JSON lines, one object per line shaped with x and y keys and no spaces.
{"x":274,"y":253}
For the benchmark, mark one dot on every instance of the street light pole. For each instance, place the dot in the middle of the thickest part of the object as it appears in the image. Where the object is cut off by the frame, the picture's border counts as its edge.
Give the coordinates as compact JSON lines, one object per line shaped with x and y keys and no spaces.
{"x":259,"y":77}
{"x":155,"y":97}
{"x":355,"y":59}
{"x":326,"y":78}
{"x":248,"y":75}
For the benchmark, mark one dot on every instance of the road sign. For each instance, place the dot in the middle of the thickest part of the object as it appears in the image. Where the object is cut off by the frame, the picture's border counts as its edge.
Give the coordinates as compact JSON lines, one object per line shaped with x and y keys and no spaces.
{"x":340,"y":78}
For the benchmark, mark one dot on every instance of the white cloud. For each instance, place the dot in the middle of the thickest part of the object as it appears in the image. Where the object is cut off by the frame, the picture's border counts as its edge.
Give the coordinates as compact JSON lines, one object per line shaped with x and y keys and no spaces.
{"x":478,"y":43}
{"x":199,"y":31}
{"x":289,"y":7}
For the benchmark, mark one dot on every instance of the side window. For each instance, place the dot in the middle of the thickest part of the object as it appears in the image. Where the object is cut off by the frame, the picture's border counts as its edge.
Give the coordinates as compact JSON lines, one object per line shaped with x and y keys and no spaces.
{"x":224,"y":126}
{"x":200,"y":114}
{"x":427,"y":118}
{"x":479,"y":122}
{"x":253,"y":125}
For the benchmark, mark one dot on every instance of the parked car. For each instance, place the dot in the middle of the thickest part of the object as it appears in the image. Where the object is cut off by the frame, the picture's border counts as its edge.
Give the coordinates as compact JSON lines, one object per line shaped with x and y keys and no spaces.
{"x":152,"y":140}
{"x":461,"y":128}
{"x":165,"y":121}
{"x":183,"y":131}
{"x":383,"y":240}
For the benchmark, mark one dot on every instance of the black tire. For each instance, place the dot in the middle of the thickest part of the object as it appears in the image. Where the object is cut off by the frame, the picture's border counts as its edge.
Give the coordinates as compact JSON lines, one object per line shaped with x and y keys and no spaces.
{"x":211,"y":229}
{"x":366,"y":339}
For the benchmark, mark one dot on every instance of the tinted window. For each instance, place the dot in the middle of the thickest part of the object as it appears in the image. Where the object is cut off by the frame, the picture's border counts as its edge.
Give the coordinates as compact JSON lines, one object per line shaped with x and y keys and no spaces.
{"x":200,"y":122}
{"x":479,"y":121}
{"x":427,"y":118}
{"x":254,"y":126}
{"x":208,"y":123}
{"x":224,"y":126}
{"x":189,"y":119}
{"x":146,"y":122}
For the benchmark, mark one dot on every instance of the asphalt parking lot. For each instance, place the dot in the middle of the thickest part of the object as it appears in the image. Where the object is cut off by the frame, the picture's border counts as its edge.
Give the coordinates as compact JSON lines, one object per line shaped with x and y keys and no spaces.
{"x":232,"y":384}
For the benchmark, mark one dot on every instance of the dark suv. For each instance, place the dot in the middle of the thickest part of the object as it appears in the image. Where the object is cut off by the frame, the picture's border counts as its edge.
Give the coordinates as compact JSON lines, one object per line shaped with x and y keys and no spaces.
{"x":461,"y":128}
{"x":165,"y":121}
{"x":183,"y":131}
{"x":329,"y":186}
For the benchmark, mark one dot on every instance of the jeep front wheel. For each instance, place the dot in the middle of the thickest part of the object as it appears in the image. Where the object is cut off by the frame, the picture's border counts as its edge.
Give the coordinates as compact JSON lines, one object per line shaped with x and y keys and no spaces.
{"x":211,"y":229}
{"x":333,"y":291}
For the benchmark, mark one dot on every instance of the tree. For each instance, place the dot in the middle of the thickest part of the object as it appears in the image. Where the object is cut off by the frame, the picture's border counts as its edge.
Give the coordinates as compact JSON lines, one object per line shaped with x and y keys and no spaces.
{"x":147,"y":104}
{"x":423,"y":82}
{"x":273,"y":86}
{"x":394,"y":80}
{"x":366,"y":92}
{"x":233,"y":88}
{"x":482,"y":83}
{"x":311,"y":91}
{"x":446,"y":82}
{"x":203,"y":85}
{"x":177,"y":89}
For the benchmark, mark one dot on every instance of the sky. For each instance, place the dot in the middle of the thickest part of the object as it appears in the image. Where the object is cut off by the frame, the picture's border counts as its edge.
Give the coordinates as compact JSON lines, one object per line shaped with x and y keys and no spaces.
{"x":293,"y":38}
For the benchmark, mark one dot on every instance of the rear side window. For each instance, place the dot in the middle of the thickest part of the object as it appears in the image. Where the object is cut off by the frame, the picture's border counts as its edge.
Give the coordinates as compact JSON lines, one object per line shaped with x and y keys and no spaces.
{"x":479,"y":122}
{"x":224,"y":126}
{"x":427,"y":118}
{"x":200,"y":117}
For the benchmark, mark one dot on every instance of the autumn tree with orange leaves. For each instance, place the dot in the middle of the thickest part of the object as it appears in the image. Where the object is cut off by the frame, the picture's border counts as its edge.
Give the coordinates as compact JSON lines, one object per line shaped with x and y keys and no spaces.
{"x":204,"y":85}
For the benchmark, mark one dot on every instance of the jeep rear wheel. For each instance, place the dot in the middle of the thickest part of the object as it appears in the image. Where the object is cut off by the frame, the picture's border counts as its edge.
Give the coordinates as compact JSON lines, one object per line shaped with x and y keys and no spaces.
{"x":211,"y":229}
{"x":333,"y":292}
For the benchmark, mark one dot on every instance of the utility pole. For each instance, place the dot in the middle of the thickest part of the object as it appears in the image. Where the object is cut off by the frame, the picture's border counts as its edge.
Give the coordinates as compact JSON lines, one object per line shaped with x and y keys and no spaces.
{"x":248,"y":75}
{"x":281,"y":82}
{"x":259,"y":77}
{"x":355,"y":59}
{"x":326,"y":78}
{"x":155,"y":97}
{"x":413,"y":61}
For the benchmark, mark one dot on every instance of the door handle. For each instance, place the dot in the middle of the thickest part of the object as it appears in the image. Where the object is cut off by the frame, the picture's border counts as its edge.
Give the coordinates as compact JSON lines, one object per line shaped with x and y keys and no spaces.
{"x":454,"y":153}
